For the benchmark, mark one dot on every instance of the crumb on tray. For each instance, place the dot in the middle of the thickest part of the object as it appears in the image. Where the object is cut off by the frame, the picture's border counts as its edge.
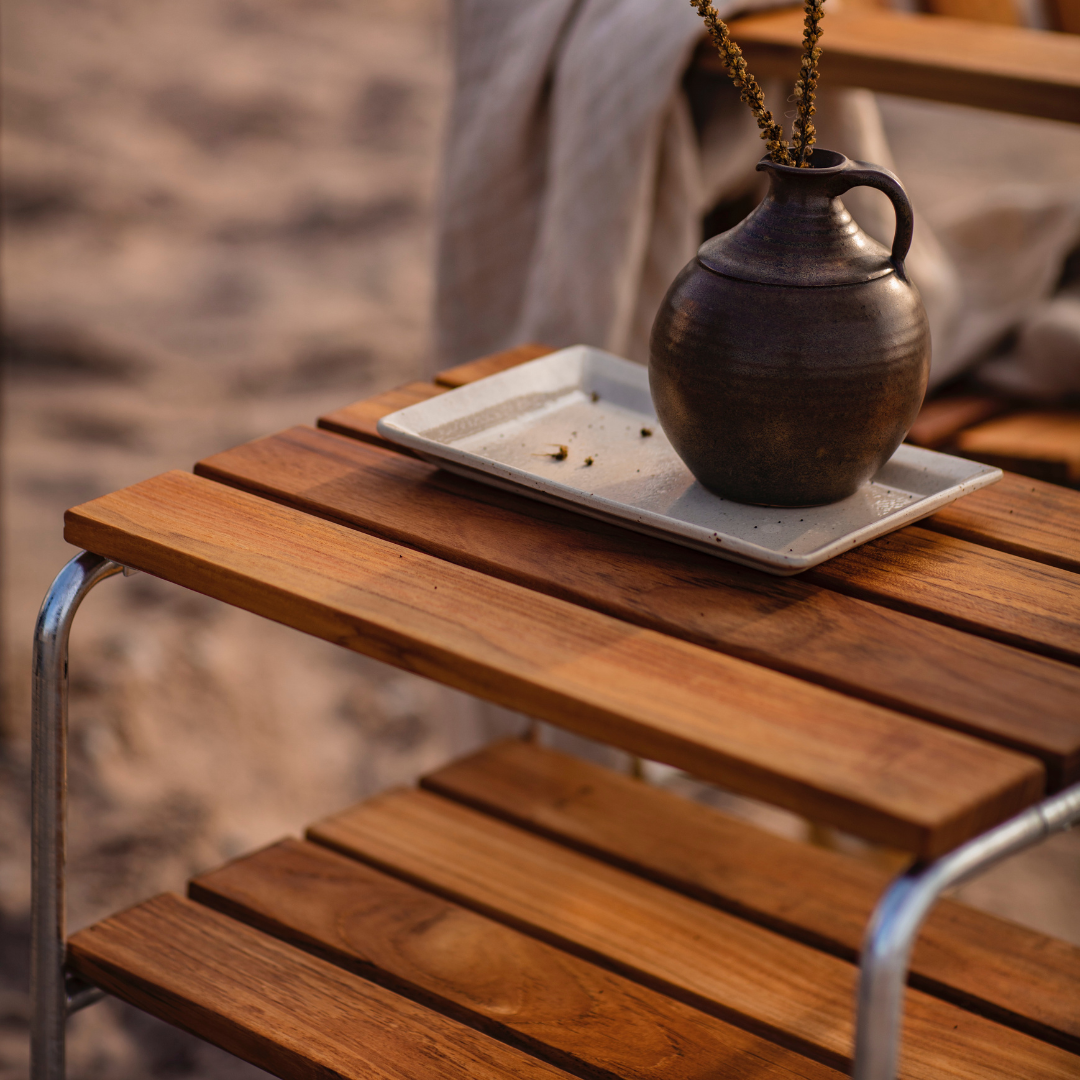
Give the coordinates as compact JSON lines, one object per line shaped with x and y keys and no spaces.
{"x":559,"y":454}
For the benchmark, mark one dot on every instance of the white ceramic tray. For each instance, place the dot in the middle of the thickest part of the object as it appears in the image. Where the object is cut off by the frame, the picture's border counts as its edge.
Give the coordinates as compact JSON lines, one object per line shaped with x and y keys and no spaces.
{"x":510,"y":430}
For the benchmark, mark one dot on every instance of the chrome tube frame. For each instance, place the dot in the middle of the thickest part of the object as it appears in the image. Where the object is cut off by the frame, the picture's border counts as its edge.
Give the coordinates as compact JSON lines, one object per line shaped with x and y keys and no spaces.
{"x":898,"y":917}
{"x":52,"y":994}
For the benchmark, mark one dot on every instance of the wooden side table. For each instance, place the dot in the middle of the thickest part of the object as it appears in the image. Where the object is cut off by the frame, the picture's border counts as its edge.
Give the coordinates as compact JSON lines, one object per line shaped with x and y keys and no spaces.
{"x":919,"y":691}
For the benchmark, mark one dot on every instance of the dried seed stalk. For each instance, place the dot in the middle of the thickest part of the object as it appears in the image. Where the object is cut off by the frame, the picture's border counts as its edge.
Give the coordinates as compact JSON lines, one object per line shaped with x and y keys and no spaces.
{"x":802,"y":128}
{"x":733,"y":61}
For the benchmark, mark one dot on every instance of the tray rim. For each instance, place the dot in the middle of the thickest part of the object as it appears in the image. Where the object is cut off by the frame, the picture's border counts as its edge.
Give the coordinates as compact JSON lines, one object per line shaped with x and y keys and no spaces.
{"x":396,"y":428}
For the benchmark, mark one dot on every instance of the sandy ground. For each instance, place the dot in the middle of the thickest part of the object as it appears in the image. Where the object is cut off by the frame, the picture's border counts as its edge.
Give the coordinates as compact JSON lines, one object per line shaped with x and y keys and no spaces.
{"x":218,"y":223}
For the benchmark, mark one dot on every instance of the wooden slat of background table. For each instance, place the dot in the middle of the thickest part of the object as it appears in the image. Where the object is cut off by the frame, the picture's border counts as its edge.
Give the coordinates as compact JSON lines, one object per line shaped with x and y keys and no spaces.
{"x":523,"y":991}
{"x":1065,"y":15}
{"x":832,"y":758}
{"x":985,"y":592}
{"x":1051,"y":435}
{"x":269,"y":1003}
{"x":822,"y":897}
{"x":788,"y":624}
{"x":928,"y":56}
{"x":941,"y":418}
{"x":712,"y":960}
{"x":995,"y":11}
{"x":1025,"y":517}
{"x":1046,"y":439}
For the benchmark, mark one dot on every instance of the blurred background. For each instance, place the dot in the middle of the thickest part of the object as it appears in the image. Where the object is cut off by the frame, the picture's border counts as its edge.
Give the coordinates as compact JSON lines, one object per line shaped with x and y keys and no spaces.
{"x":218,"y":222}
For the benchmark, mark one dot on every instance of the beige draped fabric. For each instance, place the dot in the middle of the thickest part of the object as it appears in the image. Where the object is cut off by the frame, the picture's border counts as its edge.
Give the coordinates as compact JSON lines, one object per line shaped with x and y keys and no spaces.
{"x":575,"y":182}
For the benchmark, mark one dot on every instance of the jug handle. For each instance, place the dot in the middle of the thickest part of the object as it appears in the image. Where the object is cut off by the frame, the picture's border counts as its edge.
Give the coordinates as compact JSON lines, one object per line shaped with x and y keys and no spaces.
{"x":863,"y":174}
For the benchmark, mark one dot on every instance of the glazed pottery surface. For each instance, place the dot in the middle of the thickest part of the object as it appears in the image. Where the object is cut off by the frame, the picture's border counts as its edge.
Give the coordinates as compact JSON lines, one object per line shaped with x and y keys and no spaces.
{"x":790,"y":357}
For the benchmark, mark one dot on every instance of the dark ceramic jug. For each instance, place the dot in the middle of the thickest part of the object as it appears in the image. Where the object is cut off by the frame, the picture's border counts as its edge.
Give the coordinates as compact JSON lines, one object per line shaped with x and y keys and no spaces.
{"x":789,"y":359}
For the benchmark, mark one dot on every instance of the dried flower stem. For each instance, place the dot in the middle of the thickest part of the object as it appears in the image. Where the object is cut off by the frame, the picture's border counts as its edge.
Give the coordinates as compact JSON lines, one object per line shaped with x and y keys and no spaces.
{"x":802,"y":129}
{"x":733,"y":61}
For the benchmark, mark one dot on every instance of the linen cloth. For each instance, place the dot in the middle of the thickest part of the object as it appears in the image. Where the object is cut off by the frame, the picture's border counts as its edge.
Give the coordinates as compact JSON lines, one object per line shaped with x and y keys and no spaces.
{"x":575,"y":181}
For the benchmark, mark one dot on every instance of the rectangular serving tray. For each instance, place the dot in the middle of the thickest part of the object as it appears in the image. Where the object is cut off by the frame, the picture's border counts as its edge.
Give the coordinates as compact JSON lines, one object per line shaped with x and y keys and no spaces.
{"x":510,"y":429}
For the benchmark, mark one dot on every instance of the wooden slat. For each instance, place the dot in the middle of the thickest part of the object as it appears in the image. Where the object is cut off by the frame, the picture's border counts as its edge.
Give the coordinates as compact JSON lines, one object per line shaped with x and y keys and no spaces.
{"x":1012,"y":69}
{"x":515,"y":988}
{"x":991,"y":593}
{"x":833,"y":758}
{"x":292,"y":1014}
{"x":490,"y":365}
{"x":943,"y":418}
{"x":1065,"y":15}
{"x":979,"y":686}
{"x":1047,"y":470}
{"x":1050,"y":435}
{"x":1003,"y":12}
{"x":1029,"y":518}
{"x":989,"y":965}
{"x":698,"y":954}
{"x":358,"y":420}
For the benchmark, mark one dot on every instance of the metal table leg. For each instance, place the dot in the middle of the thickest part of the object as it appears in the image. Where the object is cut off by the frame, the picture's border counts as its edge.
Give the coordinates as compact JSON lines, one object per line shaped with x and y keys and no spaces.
{"x":52,"y":997}
{"x":899,"y":915}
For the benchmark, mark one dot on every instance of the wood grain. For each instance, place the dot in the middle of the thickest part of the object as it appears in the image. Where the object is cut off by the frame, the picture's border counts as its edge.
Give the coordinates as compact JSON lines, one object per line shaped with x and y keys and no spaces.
{"x":721,"y":964}
{"x":359,"y":419}
{"x":520,"y":990}
{"x":1029,"y":518}
{"x":832,"y":758}
{"x":491,"y":365}
{"x":1012,"y":69}
{"x":1049,"y":435}
{"x":958,"y":583}
{"x":824,"y":898}
{"x":789,"y":624}
{"x":292,"y":1014}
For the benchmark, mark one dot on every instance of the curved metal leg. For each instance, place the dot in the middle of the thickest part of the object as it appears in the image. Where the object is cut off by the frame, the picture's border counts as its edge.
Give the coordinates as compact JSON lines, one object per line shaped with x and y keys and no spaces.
{"x":48,"y":990}
{"x":899,"y":915}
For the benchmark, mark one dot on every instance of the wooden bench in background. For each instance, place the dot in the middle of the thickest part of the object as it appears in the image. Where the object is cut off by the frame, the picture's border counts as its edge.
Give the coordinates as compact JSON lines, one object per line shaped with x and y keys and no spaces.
{"x":955,"y":60}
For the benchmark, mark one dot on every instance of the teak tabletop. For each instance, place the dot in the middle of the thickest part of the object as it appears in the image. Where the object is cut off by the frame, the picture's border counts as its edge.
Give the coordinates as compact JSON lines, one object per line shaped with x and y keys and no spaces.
{"x":914,"y":691}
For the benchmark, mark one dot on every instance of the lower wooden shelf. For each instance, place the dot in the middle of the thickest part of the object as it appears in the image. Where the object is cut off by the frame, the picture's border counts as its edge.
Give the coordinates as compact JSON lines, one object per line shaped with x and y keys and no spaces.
{"x":529,"y":915}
